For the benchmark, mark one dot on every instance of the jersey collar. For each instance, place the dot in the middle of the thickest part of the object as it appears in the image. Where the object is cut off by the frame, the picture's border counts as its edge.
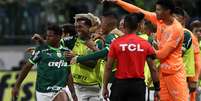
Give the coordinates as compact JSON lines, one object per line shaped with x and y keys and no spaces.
{"x":55,"y":49}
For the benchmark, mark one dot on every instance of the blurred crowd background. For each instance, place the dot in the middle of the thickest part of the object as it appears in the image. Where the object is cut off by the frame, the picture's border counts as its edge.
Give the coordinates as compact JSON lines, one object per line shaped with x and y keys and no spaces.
{"x":19,"y":19}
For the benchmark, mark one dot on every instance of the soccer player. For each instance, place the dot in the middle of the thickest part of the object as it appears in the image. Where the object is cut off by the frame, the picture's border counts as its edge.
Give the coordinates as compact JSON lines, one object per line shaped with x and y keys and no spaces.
{"x":169,"y":37}
{"x":191,"y":61}
{"x":130,"y":51}
{"x":196,"y":29}
{"x":109,"y":29}
{"x":84,"y":74}
{"x":53,"y":71}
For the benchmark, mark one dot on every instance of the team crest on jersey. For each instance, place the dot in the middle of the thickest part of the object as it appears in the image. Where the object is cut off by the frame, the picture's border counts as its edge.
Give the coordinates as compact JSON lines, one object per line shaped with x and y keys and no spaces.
{"x":59,"y":54}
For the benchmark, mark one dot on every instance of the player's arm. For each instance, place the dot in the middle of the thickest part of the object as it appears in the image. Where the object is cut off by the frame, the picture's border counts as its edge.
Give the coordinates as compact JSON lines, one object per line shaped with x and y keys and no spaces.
{"x":99,"y":54}
{"x":153,"y":70}
{"x":108,"y":70}
{"x":154,"y":75}
{"x":169,"y":46}
{"x":90,"y":59}
{"x":134,"y":9}
{"x":36,"y":56}
{"x":107,"y":75}
{"x":187,"y":42}
{"x":93,"y":56}
{"x":25,"y":70}
{"x":70,"y":85}
{"x":151,"y":56}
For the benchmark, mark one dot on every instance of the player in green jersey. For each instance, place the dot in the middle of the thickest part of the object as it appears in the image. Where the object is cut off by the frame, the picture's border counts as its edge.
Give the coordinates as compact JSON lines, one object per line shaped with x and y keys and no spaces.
{"x":53,"y":71}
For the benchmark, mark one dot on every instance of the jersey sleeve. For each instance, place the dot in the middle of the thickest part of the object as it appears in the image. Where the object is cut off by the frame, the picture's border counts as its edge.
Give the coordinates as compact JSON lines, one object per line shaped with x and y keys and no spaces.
{"x":99,"y":44}
{"x":99,"y":54}
{"x":112,"y":52}
{"x":36,"y":56}
{"x":170,"y":45}
{"x":93,"y":56}
{"x":68,"y":42}
{"x":187,"y":41}
{"x":109,"y":39}
{"x":151,"y":16}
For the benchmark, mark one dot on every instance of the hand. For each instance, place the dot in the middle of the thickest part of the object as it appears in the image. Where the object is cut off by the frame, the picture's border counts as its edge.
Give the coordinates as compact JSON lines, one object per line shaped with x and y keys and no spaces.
{"x":30,"y":49}
{"x":74,"y":60}
{"x":105,"y":94}
{"x":75,"y":98}
{"x":15,"y":92}
{"x":95,"y":36}
{"x":192,"y":86}
{"x":69,"y":54}
{"x":156,"y":96}
{"x":92,"y":45}
{"x":36,"y":37}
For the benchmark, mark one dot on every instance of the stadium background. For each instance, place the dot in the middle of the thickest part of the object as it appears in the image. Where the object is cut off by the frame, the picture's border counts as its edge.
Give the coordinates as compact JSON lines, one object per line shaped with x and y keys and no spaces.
{"x":20,"y":19}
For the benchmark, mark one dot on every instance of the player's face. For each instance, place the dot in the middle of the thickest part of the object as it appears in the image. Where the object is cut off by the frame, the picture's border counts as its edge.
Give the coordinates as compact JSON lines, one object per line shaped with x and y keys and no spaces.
{"x":141,"y":27}
{"x":197,"y":32}
{"x":104,"y":25}
{"x":161,"y":13}
{"x":121,"y":25}
{"x":81,"y":27}
{"x":52,"y":38}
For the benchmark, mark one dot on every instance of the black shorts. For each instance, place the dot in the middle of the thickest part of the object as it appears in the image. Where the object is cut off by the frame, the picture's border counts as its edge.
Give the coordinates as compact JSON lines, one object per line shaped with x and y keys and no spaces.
{"x":128,"y":90}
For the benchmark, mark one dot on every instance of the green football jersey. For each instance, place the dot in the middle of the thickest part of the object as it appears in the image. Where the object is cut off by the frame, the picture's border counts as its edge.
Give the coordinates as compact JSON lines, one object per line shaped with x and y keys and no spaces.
{"x":52,"y":68}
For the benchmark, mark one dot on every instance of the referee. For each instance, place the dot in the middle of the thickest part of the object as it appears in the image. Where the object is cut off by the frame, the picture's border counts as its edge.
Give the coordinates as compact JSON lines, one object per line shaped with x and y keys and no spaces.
{"x":130,"y":52}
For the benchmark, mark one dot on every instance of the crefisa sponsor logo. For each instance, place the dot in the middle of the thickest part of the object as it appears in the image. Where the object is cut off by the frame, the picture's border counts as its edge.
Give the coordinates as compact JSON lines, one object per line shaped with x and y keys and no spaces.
{"x":58,"y":64}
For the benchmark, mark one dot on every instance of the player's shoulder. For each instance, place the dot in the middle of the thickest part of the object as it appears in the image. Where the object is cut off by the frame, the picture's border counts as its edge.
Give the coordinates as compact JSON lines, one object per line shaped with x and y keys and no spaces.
{"x":64,"y":48}
{"x":177,"y":26}
{"x":111,"y":35}
{"x":41,"y":47}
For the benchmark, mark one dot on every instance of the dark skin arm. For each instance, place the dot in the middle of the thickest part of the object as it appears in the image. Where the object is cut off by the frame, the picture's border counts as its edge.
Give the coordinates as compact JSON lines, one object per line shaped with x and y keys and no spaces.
{"x":71,"y":87}
{"x":152,"y":68}
{"x":25,"y":70}
{"x":107,"y":74}
{"x":154,"y":73}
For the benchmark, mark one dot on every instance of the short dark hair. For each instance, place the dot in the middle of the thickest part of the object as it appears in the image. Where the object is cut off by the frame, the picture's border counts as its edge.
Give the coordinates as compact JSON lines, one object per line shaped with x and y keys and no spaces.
{"x":167,"y":4}
{"x":195,"y":24}
{"x":179,"y":11}
{"x":110,"y":14}
{"x":53,"y":27}
{"x":87,"y":21}
{"x":68,"y":28}
{"x":131,"y":21}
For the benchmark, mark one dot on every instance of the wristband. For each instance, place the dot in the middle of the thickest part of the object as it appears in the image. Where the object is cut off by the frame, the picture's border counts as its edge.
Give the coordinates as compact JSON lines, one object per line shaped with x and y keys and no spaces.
{"x":157,"y":86}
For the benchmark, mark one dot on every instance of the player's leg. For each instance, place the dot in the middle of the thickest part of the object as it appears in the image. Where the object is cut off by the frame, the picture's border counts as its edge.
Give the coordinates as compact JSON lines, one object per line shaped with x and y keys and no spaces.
{"x":177,"y":86}
{"x":43,"y":96}
{"x":61,"y":96}
{"x":164,"y":94}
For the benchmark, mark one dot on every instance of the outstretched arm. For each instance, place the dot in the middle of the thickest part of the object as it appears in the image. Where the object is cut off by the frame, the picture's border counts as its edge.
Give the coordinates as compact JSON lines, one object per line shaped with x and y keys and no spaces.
{"x":134,"y":9}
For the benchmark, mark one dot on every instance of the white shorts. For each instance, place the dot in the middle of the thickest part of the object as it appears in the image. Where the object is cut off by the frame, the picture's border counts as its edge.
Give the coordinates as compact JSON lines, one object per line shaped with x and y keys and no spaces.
{"x":88,"y":93}
{"x":46,"y":96}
